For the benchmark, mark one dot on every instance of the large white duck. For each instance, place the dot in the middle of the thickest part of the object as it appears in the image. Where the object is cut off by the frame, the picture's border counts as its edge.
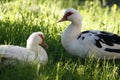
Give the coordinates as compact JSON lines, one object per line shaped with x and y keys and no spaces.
{"x":100,"y":43}
{"x":32,"y":53}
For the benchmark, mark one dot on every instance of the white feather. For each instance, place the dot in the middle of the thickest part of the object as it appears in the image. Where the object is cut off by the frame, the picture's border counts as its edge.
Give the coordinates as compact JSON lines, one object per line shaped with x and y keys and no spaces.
{"x":33,"y":51}
{"x":77,"y":46}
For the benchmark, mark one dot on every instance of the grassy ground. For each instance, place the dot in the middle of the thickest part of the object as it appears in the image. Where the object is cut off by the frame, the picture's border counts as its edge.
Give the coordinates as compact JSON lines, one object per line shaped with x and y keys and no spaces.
{"x":19,"y":18}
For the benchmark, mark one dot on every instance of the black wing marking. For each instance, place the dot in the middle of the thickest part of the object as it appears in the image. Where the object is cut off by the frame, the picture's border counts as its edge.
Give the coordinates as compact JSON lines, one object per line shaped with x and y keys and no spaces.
{"x":112,"y":50}
{"x":108,"y":38}
{"x":104,"y":37}
{"x":82,"y":33}
{"x":98,"y":44}
{"x":97,"y":41}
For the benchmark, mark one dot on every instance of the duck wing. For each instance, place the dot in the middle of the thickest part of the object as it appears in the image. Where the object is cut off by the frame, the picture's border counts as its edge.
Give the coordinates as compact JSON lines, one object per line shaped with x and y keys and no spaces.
{"x":101,"y":39}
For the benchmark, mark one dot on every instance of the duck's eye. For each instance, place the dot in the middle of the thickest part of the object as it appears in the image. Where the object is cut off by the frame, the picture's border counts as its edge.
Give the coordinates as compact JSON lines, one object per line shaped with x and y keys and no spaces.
{"x":69,"y":13}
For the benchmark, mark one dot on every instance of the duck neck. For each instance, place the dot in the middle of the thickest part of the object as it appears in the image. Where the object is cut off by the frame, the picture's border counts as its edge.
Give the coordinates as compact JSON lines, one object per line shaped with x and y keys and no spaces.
{"x":71,"y":33}
{"x":32,"y":47}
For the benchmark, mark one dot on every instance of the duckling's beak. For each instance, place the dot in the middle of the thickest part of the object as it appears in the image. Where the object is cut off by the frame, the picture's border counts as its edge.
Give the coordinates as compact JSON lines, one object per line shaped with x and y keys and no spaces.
{"x":44,"y":44}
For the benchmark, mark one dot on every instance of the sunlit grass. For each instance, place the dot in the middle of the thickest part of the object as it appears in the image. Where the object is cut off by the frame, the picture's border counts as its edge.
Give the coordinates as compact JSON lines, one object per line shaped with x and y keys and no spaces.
{"x":19,"y":18}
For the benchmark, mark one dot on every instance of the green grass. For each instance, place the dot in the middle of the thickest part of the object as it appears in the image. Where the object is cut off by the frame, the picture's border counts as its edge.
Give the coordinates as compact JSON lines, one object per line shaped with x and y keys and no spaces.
{"x":19,"y":18}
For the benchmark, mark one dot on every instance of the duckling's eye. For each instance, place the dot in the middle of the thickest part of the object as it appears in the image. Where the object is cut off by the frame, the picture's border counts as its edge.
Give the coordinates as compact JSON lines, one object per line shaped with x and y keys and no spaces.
{"x":41,"y":36}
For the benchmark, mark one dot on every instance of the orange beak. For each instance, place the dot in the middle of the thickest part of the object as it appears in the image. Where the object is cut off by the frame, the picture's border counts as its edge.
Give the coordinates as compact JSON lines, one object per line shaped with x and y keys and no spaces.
{"x":44,"y":44}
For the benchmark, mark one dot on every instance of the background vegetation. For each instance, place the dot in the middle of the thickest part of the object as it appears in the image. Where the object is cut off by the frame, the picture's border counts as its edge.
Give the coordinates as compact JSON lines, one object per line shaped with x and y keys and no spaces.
{"x":19,"y":18}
